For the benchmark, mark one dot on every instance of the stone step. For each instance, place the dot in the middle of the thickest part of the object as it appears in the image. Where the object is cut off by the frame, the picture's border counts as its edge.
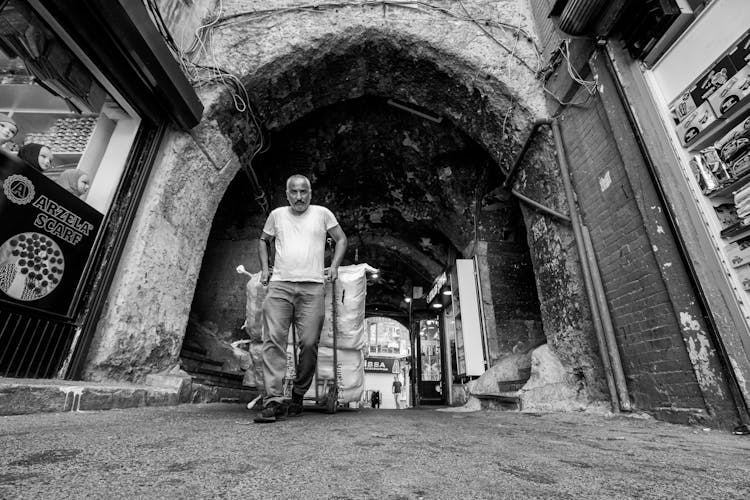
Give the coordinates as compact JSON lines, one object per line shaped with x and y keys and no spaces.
{"x":193,"y":348}
{"x":511,"y":385}
{"x":207,"y":376}
{"x":26,"y":396}
{"x":507,"y":401}
{"x":201,"y":358}
{"x":204,"y":393}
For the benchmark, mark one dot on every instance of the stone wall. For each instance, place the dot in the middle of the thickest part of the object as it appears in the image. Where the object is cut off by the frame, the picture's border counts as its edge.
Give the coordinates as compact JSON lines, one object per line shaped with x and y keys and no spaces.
{"x":304,"y":61}
{"x":654,"y":308}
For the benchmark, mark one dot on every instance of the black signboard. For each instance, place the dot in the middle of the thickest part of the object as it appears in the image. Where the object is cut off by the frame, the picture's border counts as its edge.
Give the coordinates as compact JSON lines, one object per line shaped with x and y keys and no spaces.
{"x":46,"y":237}
{"x":382,"y":365}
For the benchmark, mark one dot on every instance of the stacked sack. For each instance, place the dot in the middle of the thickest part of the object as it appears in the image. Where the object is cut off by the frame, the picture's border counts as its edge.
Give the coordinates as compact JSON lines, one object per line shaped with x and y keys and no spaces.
{"x":255,"y":294}
{"x":349,"y":292}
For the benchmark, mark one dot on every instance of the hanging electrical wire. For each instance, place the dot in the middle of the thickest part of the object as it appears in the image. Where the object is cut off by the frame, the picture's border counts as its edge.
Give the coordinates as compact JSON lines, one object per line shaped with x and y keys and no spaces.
{"x":590,"y":86}
{"x":201,"y":75}
{"x":209,"y":74}
{"x":483,"y":24}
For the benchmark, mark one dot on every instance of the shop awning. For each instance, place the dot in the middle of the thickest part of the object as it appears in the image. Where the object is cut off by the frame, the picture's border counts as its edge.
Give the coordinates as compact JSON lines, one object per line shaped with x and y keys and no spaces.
{"x":123,"y":42}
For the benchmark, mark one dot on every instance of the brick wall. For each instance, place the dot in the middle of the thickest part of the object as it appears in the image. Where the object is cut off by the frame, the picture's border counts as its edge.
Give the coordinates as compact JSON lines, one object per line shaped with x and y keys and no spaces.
{"x":659,"y":371}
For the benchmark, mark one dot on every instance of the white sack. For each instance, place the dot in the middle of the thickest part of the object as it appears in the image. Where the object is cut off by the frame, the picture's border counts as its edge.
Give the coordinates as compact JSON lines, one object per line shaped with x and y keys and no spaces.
{"x":351,"y":372}
{"x":351,"y":293}
{"x":254,"y":295}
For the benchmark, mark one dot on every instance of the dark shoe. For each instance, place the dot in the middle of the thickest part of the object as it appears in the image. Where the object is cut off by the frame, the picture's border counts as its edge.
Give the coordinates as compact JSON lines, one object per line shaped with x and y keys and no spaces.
{"x":295,"y":408}
{"x":268,"y":414}
{"x":282,"y":411}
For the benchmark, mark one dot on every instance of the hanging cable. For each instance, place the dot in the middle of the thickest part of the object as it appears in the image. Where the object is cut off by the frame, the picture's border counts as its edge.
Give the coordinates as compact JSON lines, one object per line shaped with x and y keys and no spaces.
{"x":201,"y":75}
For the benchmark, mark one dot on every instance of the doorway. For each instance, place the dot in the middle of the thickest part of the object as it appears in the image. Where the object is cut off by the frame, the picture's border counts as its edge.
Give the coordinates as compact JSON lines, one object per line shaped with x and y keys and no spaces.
{"x":430,"y":379}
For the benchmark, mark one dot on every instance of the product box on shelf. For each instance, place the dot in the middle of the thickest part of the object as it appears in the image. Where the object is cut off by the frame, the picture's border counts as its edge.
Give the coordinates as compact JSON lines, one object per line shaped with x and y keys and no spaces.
{"x":682,"y":106}
{"x":695,"y":123}
{"x":732,"y":92}
{"x":713,"y":79}
{"x":726,"y":214}
{"x":743,"y":272}
{"x":707,"y":181}
{"x":741,"y":165}
{"x":738,"y":252}
{"x":734,"y":142}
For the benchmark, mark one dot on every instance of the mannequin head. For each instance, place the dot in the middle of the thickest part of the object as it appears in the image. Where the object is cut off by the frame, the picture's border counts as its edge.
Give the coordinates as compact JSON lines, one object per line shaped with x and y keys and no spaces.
{"x":38,"y":156}
{"x":8,"y":128}
{"x":74,"y":180}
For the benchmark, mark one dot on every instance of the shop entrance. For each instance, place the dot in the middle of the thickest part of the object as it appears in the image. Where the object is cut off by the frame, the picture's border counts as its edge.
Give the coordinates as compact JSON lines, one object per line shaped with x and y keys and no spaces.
{"x":429,"y":362}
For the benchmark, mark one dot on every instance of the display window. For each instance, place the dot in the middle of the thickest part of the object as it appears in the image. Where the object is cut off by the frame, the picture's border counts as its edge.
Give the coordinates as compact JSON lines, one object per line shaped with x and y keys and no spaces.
{"x":704,"y":84}
{"x":51,"y":96}
{"x":65,"y":137}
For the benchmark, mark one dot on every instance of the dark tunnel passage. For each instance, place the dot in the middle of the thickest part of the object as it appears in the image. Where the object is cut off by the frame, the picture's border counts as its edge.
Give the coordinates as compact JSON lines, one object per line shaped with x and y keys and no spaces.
{"x":406,"y":190}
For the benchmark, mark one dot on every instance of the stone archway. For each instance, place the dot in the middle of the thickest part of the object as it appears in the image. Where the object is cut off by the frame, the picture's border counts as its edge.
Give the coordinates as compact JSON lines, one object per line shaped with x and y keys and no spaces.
{"x":488,"y":94}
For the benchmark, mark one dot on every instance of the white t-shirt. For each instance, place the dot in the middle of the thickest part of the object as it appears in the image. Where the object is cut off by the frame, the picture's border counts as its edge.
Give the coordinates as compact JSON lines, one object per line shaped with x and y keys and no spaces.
{"x":300,"y":242}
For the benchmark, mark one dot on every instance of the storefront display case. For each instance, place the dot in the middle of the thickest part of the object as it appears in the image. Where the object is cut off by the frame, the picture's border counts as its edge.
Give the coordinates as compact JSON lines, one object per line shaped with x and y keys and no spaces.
{"x":706,"y":85}
{"x":75,"y":80}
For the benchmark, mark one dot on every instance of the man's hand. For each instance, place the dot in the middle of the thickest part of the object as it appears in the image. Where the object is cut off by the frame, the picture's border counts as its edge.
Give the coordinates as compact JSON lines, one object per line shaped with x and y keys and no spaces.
{"x":265,"y":275}
{"x":333,"y":273}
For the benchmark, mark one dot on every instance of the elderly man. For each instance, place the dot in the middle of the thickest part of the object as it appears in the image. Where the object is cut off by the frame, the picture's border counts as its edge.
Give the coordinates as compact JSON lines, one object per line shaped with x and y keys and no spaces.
{"x":296,"y":292}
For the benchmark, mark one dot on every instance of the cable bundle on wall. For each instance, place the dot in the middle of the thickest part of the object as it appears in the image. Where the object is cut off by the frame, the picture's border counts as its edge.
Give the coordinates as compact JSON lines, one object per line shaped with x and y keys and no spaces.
{"x":201,"y":75}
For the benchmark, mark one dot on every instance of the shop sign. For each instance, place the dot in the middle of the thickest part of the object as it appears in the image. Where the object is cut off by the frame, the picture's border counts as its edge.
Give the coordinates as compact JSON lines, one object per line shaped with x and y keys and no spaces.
{"x":46,"y":236}
{"x":439,"y":283}
{"x":382,"y":365}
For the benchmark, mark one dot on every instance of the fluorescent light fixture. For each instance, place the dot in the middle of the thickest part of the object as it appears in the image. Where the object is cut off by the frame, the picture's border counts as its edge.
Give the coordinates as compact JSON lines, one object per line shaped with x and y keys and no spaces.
{"x":447,"y":292}
{"x":407,"y":299}
{"x":437,"y":305}
{"x":436,"y":119}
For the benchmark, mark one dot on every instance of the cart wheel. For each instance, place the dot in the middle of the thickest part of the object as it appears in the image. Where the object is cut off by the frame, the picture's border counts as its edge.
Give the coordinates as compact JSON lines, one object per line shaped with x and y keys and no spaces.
{"x":332,"y":399}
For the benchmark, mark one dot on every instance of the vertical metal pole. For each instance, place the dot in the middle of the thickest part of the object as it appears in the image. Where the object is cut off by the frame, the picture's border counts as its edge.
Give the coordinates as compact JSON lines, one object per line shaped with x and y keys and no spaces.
{"x":619,"y":378}
{"x":334,"y":332}
{"x":482,"y":319}
{"x":609,"y":331}
{"x":32,"y":337}
{"x":19,"y":341}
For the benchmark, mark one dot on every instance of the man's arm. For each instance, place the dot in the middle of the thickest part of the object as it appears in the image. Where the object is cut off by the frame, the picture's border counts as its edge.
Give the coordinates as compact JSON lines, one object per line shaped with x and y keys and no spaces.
{"x":338,"y":255}
{"x":263,"y":243}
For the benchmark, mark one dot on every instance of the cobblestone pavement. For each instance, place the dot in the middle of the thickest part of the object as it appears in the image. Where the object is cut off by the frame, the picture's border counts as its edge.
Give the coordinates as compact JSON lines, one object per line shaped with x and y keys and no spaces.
{"x":215,"y":451}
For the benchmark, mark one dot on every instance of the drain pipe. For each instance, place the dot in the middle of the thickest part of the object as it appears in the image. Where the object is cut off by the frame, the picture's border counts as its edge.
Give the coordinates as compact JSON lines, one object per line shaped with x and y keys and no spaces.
{"x":535,"y":204}
{"x":588,"y":284}
{"x":594,"y":290}
{"x":596,"y":318}
{"x":517,"y":161}
{"x":609,"y":331}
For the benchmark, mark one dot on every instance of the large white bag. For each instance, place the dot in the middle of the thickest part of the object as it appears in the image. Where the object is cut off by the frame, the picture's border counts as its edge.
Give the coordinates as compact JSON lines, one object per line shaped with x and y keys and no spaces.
{"x":350,"y":294}
{"x":255,"y":293}
{"x":350,"y":372}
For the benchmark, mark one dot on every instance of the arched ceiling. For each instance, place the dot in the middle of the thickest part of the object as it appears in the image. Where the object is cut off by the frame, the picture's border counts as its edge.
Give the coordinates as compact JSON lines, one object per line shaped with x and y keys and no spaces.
{"x":404,"y":188}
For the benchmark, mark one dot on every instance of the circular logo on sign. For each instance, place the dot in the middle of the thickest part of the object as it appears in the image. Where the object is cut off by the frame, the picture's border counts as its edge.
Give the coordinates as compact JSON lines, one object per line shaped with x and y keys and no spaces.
{"x":18,"y":189}
{"x":31,"y":266}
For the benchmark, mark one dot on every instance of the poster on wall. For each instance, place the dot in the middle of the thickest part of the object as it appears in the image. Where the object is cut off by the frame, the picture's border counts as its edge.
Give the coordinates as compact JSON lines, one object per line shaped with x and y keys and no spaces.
{"x":46,"y":237}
